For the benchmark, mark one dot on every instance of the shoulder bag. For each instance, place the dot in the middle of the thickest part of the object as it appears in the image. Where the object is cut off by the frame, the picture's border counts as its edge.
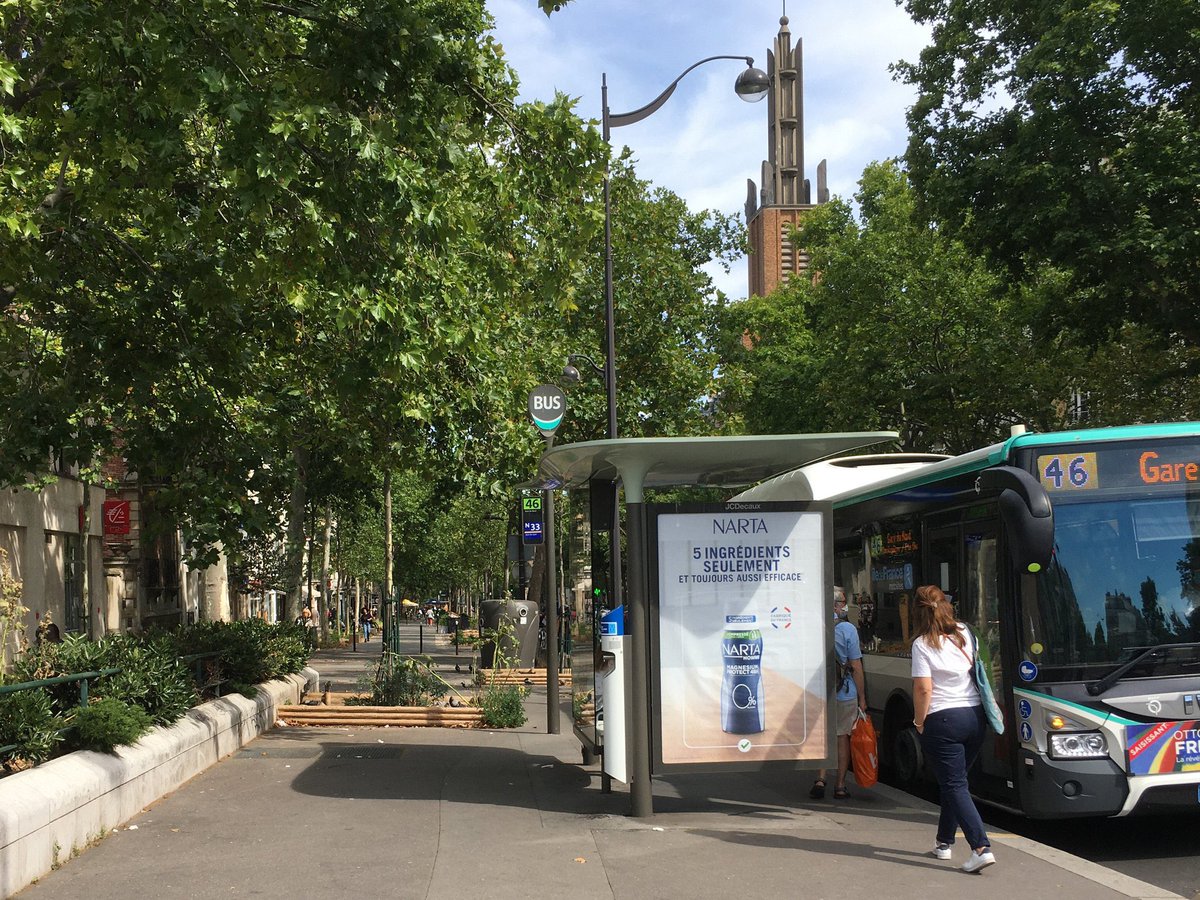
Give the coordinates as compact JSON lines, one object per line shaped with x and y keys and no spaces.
{"x":991,"y":709}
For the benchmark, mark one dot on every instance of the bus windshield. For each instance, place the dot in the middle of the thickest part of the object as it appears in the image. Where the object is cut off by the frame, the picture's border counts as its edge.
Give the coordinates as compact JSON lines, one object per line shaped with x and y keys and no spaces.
{"x":1125,"y":576}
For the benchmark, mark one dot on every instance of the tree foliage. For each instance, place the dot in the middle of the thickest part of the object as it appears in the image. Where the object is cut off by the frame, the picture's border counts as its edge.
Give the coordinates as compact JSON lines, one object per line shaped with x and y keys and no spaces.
{"x":1064,"y":133}
{"x":243,"y":243}
{"x":664,"y":303}
{"x":900,"y":328}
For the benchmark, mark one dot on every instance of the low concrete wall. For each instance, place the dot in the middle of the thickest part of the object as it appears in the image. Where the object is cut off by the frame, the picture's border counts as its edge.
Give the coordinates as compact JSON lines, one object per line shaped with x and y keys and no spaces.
{"x":62,"y":805}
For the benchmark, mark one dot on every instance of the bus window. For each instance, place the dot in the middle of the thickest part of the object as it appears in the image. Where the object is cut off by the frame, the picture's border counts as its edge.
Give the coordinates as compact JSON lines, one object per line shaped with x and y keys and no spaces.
{"x":980,"y":606}
{"x":941,"y":566}
{"x":894,"y":554}
{"x":850,"y":571}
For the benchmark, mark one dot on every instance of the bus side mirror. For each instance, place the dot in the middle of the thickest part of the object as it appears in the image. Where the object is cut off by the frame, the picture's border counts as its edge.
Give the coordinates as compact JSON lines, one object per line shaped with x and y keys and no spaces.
{"x":1027,"y":514}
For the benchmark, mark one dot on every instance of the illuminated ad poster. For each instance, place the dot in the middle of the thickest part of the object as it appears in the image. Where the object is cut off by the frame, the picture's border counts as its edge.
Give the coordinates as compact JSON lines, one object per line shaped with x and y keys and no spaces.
{"x":743,"y":624}
{"x":1163,"y":747}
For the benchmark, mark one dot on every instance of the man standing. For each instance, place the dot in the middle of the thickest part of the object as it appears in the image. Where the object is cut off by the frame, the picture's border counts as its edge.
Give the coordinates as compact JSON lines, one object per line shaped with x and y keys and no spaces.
{"x":851,"y":694}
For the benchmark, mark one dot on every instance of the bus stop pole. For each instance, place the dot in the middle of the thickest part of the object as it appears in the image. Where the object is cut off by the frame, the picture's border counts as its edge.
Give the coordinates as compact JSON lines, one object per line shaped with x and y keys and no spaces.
{"x":640,"y":789}
{"x":552,"y":712}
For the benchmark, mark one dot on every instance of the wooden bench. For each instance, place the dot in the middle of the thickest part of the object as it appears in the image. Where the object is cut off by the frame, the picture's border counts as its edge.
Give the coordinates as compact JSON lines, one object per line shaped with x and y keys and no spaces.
{"x":518,"y":677}
{"x":376,"y":716}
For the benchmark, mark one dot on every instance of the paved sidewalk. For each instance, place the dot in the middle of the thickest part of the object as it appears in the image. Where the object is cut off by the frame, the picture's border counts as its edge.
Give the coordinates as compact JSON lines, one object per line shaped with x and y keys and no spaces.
{"x":449,"y":814}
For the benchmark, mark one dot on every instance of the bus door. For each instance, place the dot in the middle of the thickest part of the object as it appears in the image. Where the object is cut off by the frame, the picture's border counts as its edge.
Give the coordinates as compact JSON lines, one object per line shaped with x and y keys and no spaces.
{"x":963,"y":560}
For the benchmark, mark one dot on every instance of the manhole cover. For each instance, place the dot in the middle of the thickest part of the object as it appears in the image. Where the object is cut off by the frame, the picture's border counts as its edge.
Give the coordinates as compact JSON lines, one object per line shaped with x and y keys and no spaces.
{"x":366,"y":752}
{"x":350,"y":751}
{"x":280,"y":753}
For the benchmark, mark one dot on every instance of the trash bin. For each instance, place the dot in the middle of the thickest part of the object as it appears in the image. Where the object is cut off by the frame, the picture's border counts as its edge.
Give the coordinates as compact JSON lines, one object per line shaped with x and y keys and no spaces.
{"x":520,"y":648}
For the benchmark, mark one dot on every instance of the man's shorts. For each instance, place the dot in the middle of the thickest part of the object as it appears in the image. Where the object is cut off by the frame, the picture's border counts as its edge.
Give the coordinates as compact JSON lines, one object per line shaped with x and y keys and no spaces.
{"x":847,"y":715}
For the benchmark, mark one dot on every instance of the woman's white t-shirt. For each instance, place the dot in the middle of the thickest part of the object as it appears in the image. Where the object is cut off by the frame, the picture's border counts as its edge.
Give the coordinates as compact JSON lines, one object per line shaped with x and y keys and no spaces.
{"x":950,"y":670}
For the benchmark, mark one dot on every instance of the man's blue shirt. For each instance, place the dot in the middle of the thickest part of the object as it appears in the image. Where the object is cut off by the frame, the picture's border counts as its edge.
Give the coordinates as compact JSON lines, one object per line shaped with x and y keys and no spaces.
{"x":846,"y":648}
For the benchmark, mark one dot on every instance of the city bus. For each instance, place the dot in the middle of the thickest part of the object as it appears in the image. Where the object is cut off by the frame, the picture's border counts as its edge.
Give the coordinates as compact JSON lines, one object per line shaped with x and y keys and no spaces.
{"x":1075,"y":557}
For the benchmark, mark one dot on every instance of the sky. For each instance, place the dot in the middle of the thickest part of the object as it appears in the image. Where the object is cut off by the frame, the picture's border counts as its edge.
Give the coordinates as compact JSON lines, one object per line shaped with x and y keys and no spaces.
{"x":705,"y":142}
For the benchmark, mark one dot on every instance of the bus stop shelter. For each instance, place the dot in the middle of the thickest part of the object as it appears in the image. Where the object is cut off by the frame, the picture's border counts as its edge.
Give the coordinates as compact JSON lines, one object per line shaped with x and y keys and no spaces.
{"x":638,"y":464}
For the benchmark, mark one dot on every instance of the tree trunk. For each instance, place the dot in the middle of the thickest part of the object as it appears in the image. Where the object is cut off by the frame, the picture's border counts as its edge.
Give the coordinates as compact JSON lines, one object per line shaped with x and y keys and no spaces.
{"x":357,"y":602}
{"x":91,"y":626}
{"x":386,"y":599}
{"x":310,"y":538}
{"x":295,"y":533}
{"x":325,"y":607}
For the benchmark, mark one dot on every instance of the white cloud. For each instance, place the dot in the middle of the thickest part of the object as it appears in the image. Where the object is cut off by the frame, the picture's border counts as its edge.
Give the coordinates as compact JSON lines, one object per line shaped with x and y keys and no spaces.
{"x":704,"y":143}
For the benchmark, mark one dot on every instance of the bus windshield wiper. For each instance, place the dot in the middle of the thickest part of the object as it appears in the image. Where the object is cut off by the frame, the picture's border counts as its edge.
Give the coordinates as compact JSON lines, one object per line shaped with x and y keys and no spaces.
{"x":1099,"y":687}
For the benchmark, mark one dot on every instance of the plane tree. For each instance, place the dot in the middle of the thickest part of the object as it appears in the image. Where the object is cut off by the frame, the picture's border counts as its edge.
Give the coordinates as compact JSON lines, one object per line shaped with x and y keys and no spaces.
{"x":1063,"y":134}
{"x":899,"y":328}
{"x":233,"y":236}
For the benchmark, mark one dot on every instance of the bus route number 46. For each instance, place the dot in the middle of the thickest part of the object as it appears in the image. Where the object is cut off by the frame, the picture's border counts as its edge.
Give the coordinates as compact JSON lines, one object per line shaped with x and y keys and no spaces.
{"x":1076,"y":473}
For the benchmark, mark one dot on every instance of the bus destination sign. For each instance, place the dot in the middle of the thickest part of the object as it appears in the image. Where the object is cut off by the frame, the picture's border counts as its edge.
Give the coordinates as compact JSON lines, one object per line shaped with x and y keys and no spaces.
{"x":1119,"y":468}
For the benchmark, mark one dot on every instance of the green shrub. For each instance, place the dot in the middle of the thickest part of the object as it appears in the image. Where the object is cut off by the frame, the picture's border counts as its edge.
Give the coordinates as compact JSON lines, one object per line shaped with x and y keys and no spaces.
{"x":403,"y":682}
{"x":75,"y":654}
{"x":252,"y":651}
{"x":152,"y":674}
{"x":109,"y":723}
{"x":27,"y":719}
{"x":154,"y":684}
{"x":502,"y":706}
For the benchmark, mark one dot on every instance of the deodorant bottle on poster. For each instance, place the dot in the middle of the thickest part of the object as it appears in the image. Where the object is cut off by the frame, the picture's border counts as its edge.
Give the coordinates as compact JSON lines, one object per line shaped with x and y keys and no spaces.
{"x":742,"y":709}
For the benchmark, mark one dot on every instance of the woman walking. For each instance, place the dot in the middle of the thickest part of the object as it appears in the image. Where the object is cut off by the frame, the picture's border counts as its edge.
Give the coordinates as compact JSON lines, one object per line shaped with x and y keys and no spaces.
{"x":949,"y":718}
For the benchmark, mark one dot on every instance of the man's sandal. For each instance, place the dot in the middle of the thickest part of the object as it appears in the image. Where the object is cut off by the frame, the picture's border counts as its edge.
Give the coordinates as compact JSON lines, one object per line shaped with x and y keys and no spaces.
{"x":841,"y":794}
{"x":817,"y":791}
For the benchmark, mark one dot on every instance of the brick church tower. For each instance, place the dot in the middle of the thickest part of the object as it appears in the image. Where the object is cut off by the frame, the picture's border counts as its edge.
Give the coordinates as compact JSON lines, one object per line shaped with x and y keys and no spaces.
{"x":786,"y":193}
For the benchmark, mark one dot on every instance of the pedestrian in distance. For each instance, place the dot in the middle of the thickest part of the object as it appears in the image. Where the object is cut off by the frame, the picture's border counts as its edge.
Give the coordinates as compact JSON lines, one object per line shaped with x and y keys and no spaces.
{"x":949,"y":718}
{"x":850,"y":698}
{"x":364,"y":616}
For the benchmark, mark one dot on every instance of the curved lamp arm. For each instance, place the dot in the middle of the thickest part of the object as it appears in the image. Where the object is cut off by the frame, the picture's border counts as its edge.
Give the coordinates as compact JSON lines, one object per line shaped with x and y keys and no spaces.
{"x":575,"y":358}
{"x":611,"y":121}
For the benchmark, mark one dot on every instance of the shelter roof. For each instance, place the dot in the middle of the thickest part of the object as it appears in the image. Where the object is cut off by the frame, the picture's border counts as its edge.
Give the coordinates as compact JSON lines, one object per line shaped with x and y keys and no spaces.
{"x":711,"y":461}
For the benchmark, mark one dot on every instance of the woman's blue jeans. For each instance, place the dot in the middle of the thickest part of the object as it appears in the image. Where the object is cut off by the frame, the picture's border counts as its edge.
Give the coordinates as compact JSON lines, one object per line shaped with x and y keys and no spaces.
{"x":951,"y":740}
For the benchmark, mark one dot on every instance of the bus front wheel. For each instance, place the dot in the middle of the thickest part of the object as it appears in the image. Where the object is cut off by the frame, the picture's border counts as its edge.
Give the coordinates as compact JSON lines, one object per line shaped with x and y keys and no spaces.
{"x":908,"y":760}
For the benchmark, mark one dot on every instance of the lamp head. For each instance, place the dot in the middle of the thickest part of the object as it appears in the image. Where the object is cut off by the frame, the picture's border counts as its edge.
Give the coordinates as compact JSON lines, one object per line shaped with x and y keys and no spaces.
{"x":752,"y":84}
{"x":570,"y":374}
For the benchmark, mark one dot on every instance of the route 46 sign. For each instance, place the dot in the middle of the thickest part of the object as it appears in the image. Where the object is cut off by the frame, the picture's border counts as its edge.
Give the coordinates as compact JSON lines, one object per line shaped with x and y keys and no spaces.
{"x":547,"y":405}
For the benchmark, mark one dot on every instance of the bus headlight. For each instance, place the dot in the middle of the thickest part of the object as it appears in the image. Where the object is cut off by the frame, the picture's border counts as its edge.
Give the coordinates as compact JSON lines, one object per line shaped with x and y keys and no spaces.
{"x":1082,"y":745}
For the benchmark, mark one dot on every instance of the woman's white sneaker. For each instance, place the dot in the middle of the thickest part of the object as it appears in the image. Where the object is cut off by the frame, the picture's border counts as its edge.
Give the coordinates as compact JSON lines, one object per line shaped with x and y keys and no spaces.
{"x":979,"y":861}
{"x":941,"y":851}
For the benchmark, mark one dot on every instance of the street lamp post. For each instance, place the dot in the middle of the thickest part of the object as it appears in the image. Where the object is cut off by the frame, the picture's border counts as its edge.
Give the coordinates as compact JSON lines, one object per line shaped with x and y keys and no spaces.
{"x":752,"y":85}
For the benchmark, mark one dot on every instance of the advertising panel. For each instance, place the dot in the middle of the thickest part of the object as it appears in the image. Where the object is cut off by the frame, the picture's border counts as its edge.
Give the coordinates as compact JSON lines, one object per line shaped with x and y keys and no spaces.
{"x":743,"y":635}
{"x":1163,"y":747}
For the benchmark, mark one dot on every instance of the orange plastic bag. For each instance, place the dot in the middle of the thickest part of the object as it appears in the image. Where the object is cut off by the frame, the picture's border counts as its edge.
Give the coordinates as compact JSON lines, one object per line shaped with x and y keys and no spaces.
{"x":864,"y":752}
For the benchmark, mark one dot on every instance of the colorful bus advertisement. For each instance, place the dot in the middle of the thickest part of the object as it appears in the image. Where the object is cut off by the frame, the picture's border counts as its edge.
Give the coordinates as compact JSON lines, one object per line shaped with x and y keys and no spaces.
{"x":1163,"y":747}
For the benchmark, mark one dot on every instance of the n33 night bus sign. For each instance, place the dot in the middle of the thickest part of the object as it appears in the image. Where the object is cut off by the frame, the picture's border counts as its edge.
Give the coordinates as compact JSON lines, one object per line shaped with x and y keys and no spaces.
{"x":533,"y":523}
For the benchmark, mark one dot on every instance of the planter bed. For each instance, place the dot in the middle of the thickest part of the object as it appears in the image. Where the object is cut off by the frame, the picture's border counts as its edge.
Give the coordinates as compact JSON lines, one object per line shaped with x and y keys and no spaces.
{"x":54,"y":810}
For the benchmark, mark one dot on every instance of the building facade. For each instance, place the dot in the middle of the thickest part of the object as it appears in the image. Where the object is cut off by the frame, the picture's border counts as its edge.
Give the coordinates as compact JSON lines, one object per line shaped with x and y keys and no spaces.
{"x":776,"y":208}
{"x":51,"y":543}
